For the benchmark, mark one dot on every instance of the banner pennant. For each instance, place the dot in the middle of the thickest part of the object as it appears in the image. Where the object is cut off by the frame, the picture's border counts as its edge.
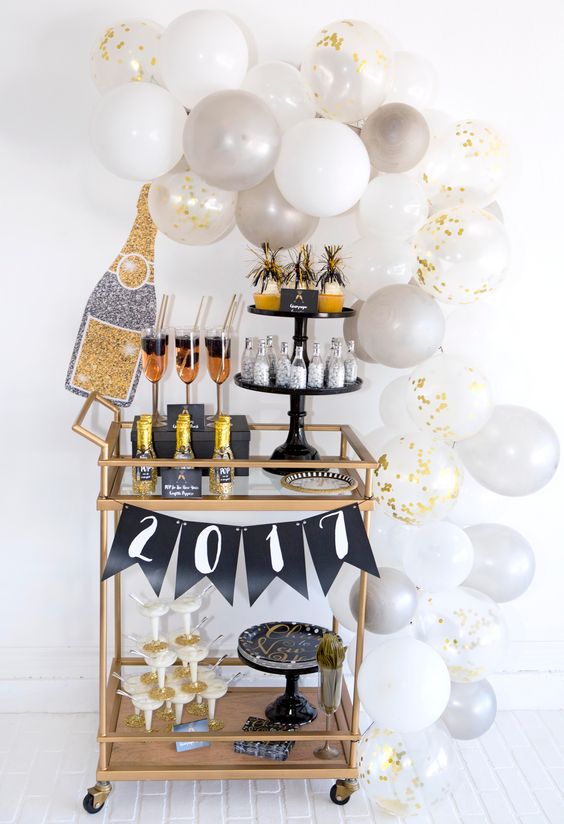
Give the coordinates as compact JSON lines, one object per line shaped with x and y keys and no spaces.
{"x":274,"y":551}
{"x":208,"y":550}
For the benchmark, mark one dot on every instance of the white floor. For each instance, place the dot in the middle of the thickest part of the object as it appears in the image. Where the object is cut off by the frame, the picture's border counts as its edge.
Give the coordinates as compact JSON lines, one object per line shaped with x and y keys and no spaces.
{"x":512,"y":775}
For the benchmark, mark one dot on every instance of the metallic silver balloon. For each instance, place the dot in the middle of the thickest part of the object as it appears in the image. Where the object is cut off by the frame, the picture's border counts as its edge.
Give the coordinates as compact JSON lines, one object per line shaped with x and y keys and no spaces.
{"x":391,"y":601}
{"x":471,"y":709}
{"x":263,"y":214}
{"x":400,"y":325}
{"x":232,"y":139}
{"x":396,"y":136}
{"x":350,"y":332}
{"x":504,"y":561}
{"x":516,"y":452}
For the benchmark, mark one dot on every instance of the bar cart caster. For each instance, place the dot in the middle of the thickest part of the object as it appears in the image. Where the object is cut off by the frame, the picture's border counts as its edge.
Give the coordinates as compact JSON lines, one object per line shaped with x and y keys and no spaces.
{"x":96,"y":797}
{"x":340,"y":793}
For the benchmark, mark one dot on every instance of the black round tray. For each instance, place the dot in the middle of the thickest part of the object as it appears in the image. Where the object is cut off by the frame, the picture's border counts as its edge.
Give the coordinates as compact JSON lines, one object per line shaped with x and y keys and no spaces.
{"x":279,"y":647}
{"x":346,"y":312}
{"x":279,"y":390}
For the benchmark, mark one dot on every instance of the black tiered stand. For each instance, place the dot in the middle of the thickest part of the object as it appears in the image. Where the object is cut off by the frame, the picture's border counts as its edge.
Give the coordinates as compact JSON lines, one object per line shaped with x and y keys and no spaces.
{"x":296,"y":445}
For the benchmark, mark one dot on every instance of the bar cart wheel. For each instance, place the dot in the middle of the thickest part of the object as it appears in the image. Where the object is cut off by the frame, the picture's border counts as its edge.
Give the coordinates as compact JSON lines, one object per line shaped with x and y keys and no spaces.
{"x":96,"y":797}
{"x":340,"y":793}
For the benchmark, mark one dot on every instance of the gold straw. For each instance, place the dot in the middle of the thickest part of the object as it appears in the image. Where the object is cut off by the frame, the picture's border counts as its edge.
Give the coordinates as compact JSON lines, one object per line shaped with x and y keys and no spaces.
{"x":228,"y":315}
{"x":198,"y":316}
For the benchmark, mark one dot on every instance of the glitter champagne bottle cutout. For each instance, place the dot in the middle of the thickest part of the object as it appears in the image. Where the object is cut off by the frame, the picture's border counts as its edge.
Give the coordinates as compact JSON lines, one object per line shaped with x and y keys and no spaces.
{"x":106,"y":355}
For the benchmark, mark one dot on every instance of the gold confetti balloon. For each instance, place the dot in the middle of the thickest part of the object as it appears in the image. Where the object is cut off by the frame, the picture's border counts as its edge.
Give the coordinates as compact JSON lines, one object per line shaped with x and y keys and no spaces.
{"x":347,"y":68}
{"x":449,"y":398}
{"x":187,"y":209}
{"x":126,"y":52}
{"x":462,"y":254}
{"x":417,"y":479}
{"x":466,"y":166}
{"x":466,"y":628}
{"x":405,"y":774}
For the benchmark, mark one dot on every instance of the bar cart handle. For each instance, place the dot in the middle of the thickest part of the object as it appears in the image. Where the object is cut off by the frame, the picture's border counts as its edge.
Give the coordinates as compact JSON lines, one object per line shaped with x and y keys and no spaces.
{"x":81,"y":430}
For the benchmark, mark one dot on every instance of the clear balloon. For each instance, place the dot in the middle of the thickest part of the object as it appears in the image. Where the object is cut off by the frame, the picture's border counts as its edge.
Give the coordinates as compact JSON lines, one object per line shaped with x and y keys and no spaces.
{"x":186,"y":209}
{"x":392,"y":207}
{"x":403,"y":684}
{"x":400,"y":326}
{"x":202,"y":52}
{"x":471,"y":710}
{"x":466,"y":166}
{"x":504,"y":561}
{"x":283,"y":89}
{"x":347,"y":68}
{"x":392,"y":405}
{"x":323,"y":167}
{"x":463,"y":254}
{"x":417,"y":479}
{"x":414,"y":80}
{"x":437,"y":556}
{"x":263,"y":214}
{"x":232,"y":140}
{"x":449,"y":398}
{"x":391,"y":601}
{"x":373,"y":263}
{"x":126,"y":52}
{"x":339,"y":596}
{"x":515,"y":453}
{"x":137,"y":131}
{"x":396,"y":136}
{"x":466,"y":628}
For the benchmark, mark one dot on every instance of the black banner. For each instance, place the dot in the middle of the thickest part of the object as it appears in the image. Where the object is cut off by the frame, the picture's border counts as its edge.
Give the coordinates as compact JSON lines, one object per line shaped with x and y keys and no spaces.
{"x":211,"y":551}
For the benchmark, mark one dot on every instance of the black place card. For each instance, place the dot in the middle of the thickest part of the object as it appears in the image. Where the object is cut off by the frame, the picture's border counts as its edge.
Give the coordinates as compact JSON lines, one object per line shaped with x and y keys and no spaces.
{"x":299,"y":301}
{"x":196,"y":410}
{"x":181,"y":482}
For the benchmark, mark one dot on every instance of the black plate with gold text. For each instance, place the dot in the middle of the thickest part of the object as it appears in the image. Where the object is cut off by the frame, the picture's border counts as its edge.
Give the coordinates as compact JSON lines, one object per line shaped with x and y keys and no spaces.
{"x":281,"y":646}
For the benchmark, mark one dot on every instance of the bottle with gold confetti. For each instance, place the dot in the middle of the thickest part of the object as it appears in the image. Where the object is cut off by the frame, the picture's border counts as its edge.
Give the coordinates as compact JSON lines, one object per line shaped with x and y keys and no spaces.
{"x":106,"y":354}
{"x":184,"y":449}
{"x":221,"y":477}
{"x":144,"y":477}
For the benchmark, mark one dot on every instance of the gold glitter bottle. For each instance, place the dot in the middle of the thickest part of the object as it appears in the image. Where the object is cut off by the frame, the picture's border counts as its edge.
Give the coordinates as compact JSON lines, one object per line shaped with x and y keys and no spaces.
{"x":221,"y":477}
{"x":144,"y":477}
{"x":149,"y":418}
{"x":106,"y":354}
{"x":183,"y":438}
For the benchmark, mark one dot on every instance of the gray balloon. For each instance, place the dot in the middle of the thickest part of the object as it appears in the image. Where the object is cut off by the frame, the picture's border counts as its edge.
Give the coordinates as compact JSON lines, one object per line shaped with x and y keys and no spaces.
{"x":350,"y":332}
{"x":232,"y":139}
{"x":471,"y":709}
{"x":400,"y":326}
{"x":504,"y":561}
{"x":263,"y":214}
{"x":515,"y":453}
{"x":391,"y":601}
{"x":396,"y":137}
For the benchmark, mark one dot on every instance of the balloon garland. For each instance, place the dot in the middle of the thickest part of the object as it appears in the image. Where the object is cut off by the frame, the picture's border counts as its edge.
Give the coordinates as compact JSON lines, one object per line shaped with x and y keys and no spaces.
{"x":272,"y":149}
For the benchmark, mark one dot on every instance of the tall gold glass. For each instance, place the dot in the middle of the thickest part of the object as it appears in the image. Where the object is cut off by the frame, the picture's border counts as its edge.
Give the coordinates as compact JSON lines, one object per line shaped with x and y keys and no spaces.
{"x":154,"y":346}
{"x":218,"y":345}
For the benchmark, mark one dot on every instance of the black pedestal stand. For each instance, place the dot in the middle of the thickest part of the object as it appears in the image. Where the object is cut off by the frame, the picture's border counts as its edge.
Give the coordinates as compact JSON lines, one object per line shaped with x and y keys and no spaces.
{"x":292,"y":707}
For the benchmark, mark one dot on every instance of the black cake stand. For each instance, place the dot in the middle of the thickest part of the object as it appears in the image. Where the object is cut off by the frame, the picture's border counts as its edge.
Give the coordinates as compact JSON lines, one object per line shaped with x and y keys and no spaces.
{"x":296,"y":446}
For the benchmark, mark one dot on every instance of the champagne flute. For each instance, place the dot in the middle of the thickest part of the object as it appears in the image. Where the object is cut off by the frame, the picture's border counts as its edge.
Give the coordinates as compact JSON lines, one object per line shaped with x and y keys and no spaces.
{"x":218,"y":345}
{"x":154,"y":352}
{"x":187,"y":340}
{"x":330,"y":686}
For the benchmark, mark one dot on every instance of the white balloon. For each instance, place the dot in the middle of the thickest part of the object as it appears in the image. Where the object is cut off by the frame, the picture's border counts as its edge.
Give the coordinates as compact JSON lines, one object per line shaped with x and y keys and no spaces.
{"x":449,"y":398}
{"x":202,"y":52}
{"x":393,"y":407}
{"x":350,"y":332}
{"x":371,"y":641}
{"x":284,"y":91}
{"x":323,"y":167}
{"x":339,"y":595}
{"x":127,"y":52}
{"x":373,"y":263}
{"x":404,"y":685}
{"x":393,"y":206}
{"x":437,"y":556}
{"x":414,"y":80}
{"x":137,"y":131}
{"x":504,"y":561}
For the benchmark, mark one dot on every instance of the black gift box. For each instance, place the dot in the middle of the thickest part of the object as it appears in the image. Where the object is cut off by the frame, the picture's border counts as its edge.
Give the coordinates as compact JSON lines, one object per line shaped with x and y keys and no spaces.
{"x":164,"y":440}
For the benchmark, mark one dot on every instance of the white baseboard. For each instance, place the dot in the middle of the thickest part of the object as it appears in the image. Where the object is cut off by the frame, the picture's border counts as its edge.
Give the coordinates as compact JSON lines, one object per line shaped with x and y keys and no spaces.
{"x":66,"y":679}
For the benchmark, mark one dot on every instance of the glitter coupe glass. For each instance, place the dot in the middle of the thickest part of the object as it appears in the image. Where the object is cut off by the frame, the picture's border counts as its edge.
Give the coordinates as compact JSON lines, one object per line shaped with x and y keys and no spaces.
{"x":187,"y":341}
{"x":218,"y":345}
{"x":154,"y":359}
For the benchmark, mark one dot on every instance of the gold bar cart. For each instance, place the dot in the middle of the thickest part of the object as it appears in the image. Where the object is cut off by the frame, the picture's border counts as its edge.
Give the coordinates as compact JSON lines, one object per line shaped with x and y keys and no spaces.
{"x":131,"y":754}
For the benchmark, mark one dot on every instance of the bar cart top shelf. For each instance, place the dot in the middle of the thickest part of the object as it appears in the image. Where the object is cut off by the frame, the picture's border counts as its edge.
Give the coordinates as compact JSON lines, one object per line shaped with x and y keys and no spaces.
{"x":346,"y":312}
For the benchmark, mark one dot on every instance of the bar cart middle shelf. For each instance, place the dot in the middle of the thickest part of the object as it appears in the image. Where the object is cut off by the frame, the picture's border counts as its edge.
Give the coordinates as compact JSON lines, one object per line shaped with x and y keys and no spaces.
{"x":130,"y":754}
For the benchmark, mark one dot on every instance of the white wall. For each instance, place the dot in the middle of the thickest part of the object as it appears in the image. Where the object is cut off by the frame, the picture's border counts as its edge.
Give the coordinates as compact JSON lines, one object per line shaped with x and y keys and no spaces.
{"x":64,"y":218}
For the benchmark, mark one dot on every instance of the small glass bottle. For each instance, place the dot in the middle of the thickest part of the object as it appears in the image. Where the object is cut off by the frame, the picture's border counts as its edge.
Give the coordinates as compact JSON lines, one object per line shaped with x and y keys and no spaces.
{"x":351,"y":365}
{"x":283,"y":367}
{"x":315,"y":370}
{"x":298,"y":372}
{"x":221,"y":477}
{"x":184,"y":449}
{"x":336,"y":372}
{"x":328,"y":359}
{"x":248,"y":362}
{"x":261,"y":370}
{"x":144,"y":477}
{"x":271,"y":358}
